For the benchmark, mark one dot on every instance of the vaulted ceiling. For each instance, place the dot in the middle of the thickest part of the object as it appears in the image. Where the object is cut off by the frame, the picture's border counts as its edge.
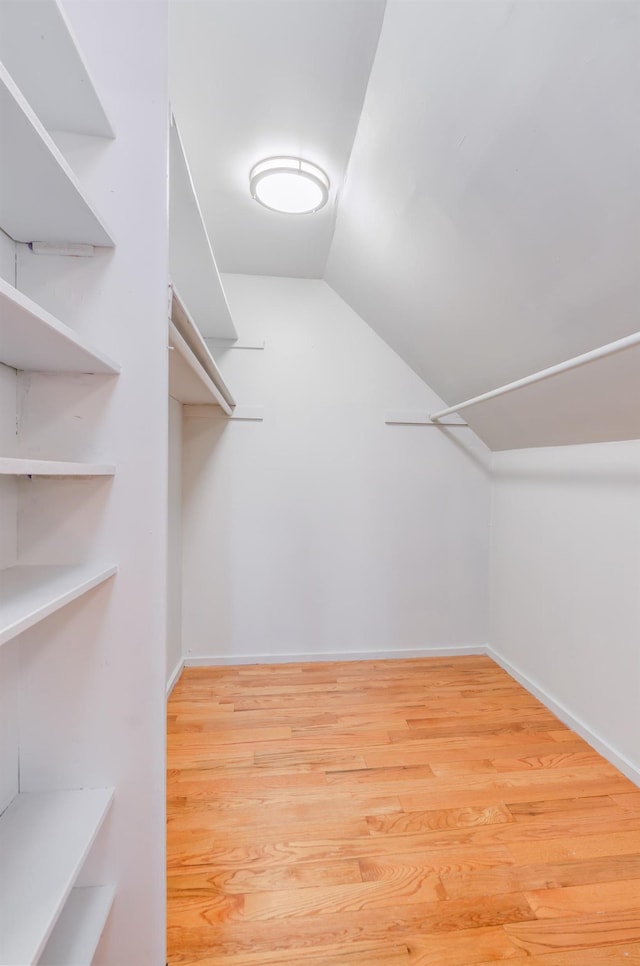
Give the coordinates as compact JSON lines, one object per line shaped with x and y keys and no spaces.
{"x":489,"y":225}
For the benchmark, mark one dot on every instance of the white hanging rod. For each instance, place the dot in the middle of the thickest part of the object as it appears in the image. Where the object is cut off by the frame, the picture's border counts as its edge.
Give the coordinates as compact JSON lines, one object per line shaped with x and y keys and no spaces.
{"x":606,"y":350}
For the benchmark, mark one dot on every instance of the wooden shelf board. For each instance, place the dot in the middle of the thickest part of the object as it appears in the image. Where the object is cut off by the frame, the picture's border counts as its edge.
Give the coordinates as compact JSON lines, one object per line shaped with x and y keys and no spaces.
{"x":189,"y":331}
{"x":39,"y":49}
{"x":192,"y":264}
{"x":28,"y":594}
{"x":33,"y":339}
{"x":77,"y":932}
{"x":40,"y":197}
{"x":188,"y":381}
{"x":10,"y":466}
{"x":44,"y":839}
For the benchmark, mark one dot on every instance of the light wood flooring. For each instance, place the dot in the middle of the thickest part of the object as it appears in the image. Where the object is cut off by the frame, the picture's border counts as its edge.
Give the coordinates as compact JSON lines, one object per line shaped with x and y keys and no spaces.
{"x":392,"y":813}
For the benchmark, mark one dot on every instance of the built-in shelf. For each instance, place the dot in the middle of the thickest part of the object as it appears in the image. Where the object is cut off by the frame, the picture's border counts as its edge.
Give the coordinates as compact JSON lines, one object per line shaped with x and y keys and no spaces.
{"x":189,"y":331}
{"x":77,"y":932}
{"x":38,"y":48}
{"x":192,"y":265}
{"x":40,"y":197}
{"x":28,"y":594}
{"x":189,"y":383}
{"x":44,"y":839}
{"x":33,"y":339}
{"x":52,"y":468}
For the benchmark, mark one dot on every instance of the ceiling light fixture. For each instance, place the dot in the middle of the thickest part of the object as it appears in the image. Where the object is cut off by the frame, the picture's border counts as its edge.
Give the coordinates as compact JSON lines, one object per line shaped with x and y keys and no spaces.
{"x":290,"y":185}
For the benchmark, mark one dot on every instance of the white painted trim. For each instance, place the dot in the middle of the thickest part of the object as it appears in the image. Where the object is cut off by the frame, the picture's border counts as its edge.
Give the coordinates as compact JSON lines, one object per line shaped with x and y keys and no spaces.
{"x":215,"y":660}
{"x":173,"y":677}
{"x":576,"y":724}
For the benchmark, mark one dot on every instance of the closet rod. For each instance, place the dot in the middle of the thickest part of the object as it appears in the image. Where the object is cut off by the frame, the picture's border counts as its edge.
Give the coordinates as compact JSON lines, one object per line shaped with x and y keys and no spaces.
{"x":610,"y":349}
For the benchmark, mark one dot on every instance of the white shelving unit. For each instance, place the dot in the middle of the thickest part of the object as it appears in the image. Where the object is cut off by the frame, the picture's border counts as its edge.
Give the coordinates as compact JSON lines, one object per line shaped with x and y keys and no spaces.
{"x":192,"y":265}
{"x":194,"y":377}
{"x":30,"y":593}
{"x":45,"y":838}
{"x":40,"y":197}
{"x":56,"y":738}
{"x":54,"y":469}
{"x":32,"y":338}
{"x":39,"y":49}
{"x":77,"y":932}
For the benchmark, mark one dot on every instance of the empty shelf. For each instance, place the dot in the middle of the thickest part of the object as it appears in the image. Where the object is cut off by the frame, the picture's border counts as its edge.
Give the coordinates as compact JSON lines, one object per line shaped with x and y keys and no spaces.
{"x":77,"y":932}
{"x":40,"y":197}
{"x":188,"y":381}
{"x":56,"y":468}
{"x":191,"y":263}
{"x":44,"y":839}
{"x":28,"y":594}
{"x":33,"y":339}
{"x":38,"y":48}
{"x":191,"y":334}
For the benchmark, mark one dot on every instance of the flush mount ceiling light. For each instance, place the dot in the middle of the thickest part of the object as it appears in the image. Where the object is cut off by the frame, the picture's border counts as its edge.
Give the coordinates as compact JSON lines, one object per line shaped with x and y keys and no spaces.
{"x":290,"y":185}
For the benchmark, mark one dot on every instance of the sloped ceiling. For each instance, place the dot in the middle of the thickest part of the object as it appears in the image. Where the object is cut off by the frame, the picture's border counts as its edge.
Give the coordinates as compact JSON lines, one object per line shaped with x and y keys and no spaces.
{"x":489,"y":225}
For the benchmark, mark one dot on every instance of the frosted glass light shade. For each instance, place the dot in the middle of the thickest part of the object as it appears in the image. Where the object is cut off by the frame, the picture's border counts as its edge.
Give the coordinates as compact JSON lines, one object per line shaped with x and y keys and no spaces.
{"x":289,"y":185}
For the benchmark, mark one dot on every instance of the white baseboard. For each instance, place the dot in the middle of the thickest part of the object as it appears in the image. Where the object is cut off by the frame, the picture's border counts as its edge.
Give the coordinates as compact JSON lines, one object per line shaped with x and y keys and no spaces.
{"x":214,"y":660}
{"x":576,"y":724}
{"x":173,"y":677}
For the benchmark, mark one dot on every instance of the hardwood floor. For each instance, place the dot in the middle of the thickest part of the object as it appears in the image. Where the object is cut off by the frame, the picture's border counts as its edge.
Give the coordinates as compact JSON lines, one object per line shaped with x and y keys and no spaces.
{"x":392,"y":813}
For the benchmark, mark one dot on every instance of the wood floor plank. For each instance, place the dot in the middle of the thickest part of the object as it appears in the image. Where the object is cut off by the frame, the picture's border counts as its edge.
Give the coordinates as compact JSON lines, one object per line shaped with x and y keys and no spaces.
{"x":564,"y":758}
{"x":260,"y":815}
{"x":239,"y":881}
{"x":586,"y":900}
{"x":393,"y":924}
{"x":525,"y":878}
{"x":464,"y":948}
{"x":630,"y":800}
{"x":355,"y":954}
{"x":185,"y":849}
{"x":628,"y":953}
{"x":580,"y":932}
{"x":515,"y":788}
{"x":605,"y":844}
{"x":210,"y":785}
{"x":458,"y":749}
{"x":439,"y":862}
{"x":587,"y":804}
{"x":388,"y":813}
{"x":407,"y":886}
{"x":465,"y":817}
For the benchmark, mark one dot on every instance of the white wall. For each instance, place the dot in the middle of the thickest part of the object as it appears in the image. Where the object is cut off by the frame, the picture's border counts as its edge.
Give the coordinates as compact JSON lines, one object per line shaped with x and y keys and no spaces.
{"x":322,"y":531}
{"x":565,"y":581}
{"x":174,"y":539}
